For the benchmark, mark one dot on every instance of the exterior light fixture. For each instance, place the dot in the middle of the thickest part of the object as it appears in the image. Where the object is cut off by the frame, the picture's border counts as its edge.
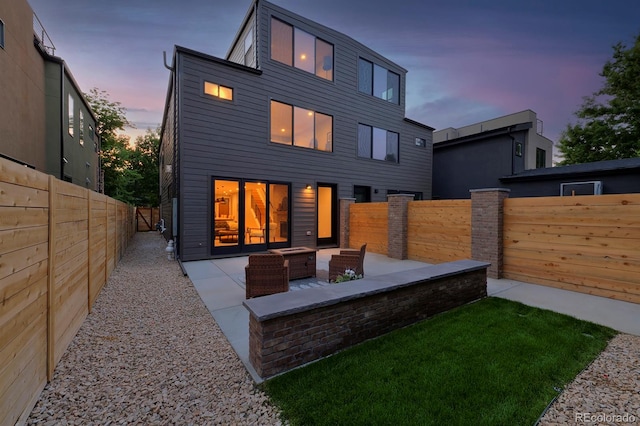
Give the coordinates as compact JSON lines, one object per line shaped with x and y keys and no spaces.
{"x":308,"y":186}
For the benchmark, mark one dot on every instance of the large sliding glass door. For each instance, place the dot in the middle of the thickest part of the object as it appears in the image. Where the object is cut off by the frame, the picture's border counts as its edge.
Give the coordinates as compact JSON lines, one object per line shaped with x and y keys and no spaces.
{"x":249,"y":215}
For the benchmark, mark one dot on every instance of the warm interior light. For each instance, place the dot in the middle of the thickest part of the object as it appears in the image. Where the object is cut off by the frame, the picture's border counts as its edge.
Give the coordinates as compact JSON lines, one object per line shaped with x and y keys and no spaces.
{"x":283,"y":130}
{"x":303,"y":56}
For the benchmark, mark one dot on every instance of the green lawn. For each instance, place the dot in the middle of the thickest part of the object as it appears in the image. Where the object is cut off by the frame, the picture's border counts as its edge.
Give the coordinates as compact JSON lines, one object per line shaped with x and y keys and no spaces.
{"x":494,"y":362}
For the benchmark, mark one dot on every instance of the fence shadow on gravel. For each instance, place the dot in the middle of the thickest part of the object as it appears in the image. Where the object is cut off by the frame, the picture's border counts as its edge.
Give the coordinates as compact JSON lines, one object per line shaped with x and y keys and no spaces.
{"x":59,"y":243}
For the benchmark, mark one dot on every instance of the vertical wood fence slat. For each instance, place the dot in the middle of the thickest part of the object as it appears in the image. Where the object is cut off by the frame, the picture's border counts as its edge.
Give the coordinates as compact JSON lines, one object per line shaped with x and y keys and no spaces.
{"x":51,"y":278}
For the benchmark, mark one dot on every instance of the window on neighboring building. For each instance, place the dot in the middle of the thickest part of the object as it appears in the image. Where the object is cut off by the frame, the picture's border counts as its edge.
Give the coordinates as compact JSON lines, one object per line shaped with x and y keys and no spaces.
{"x":297,"y":48}
{"x":378,"y":144}
{"x":421,"y":142}
{"x":362,"y":194}
{"x":81,"y":127}
{"x":218,"y":91}
{"x":378,"y":81}
{"x":1,"y":33}
{"x":71,"y":114}
{"x":292,"y":125}
{"x":541,"y":158}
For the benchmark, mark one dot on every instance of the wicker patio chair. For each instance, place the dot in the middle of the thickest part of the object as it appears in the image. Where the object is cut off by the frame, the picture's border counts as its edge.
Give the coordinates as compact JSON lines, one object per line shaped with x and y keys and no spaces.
{"x":266,"y":274}
{"x":347,"y":259}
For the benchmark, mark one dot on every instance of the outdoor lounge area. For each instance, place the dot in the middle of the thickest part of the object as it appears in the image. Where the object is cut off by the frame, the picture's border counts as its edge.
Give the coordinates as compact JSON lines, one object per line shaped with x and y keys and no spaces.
{"x":221,"y":284}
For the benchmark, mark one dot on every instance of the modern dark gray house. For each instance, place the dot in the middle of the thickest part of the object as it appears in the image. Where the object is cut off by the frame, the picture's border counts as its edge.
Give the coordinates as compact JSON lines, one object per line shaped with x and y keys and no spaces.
{"x":479,"y":155}
{"x":258,"y":148}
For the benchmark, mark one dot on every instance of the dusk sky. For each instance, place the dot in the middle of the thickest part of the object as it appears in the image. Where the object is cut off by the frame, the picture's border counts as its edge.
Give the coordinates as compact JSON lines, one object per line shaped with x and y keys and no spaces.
{"x":467,"y":60}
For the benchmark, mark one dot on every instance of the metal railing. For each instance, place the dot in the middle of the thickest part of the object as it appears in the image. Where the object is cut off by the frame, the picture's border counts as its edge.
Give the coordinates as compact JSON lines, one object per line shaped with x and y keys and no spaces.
{"x":41,"y":35}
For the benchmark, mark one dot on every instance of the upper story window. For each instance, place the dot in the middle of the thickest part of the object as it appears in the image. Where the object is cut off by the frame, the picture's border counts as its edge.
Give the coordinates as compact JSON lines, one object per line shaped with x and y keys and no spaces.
{"x":291,"y":125}
{"x":81,"y":127}
{"x":218,"y":91}
{"x":70,"y":111}
{"x":378,"y":144}
{"x":297,"y":48}
{"x":421,"y":142}
{"x":541,"y":158}
{"x":378,"y":81}
{"x":1,"y":33}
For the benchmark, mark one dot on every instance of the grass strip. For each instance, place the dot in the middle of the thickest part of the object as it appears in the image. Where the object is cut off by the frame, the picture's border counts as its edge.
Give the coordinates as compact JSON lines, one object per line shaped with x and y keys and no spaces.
{"x":494,"y":362}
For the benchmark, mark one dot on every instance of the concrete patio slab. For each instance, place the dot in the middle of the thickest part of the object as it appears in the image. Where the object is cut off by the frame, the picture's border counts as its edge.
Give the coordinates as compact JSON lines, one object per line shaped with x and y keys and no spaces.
{"x":220,"y":283}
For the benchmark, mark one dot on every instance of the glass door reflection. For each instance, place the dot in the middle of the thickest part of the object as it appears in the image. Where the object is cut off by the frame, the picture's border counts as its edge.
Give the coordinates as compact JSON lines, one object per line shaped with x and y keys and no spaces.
{"x":226,"y":207}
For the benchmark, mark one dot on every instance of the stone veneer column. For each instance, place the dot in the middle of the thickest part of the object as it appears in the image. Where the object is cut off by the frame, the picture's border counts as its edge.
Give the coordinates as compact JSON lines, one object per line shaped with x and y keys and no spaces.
{"x":487,"y":214}
{"x":398,"y":205}
{"x":345,"y":204}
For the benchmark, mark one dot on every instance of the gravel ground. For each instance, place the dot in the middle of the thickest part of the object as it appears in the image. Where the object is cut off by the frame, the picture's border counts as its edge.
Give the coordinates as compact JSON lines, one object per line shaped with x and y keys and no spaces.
{"x":605,"y":393}
{"x":151,"y":353}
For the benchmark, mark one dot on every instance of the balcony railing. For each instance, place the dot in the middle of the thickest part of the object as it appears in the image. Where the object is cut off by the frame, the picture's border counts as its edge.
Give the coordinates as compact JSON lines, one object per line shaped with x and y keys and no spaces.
{"x":41,"y":35}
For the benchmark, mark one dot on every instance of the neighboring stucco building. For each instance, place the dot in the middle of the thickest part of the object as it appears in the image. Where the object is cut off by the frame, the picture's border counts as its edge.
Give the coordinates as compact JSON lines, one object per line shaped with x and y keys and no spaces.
{"x":47,"y":124}
{"x":478,"y":155}
{"x":258,"y":148}
{"x":22,"y":121}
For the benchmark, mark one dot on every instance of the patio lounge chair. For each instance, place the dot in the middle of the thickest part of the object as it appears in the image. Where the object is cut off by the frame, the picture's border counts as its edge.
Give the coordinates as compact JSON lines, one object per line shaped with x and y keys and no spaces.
{"x":266,"y":274}
{"x":347,"y":259}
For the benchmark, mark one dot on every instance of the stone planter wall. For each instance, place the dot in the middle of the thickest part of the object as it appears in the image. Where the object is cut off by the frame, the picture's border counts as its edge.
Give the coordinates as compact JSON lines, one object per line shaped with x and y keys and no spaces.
{"x":287,"y":330}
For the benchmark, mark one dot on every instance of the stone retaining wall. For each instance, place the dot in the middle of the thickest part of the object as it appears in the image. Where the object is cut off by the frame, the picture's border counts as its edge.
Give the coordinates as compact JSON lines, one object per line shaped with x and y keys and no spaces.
{"x":287,"y":330}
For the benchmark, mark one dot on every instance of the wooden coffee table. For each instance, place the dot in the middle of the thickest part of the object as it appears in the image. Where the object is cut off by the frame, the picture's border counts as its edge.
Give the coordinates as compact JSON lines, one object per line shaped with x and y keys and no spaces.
{"x":302,"y":261}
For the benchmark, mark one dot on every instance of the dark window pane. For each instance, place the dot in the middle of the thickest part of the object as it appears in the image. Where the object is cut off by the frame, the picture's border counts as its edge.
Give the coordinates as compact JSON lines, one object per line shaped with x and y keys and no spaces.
{"x":379,"y":144}
{"x":393,"y":87}
{"x":379,"y":82}
{"x":365,"y":76}
{"x":364,"y":141}
{"x":392,"y":147}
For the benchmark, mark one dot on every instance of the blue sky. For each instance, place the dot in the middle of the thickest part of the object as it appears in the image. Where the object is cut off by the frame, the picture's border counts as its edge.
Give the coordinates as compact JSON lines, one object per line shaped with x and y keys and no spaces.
{"x":467,"y":60}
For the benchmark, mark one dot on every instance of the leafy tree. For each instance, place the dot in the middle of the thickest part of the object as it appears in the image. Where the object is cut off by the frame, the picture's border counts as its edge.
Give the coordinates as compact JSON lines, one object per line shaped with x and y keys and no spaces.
{"x":144,"y":162}
{"x":608,"y":125}
{"x":115,"y":153}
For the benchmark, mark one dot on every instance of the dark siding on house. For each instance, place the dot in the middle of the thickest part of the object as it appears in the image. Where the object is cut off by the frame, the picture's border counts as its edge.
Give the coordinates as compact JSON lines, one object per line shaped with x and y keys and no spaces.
{"x":458,"y":168}
{"x":231,"y":139}
{"x":167,"y":147}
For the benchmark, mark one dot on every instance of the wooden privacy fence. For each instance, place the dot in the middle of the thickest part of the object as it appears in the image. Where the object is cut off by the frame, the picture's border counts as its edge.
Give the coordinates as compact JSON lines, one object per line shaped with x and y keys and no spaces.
{"x":589,"y":244}
{"x":368,"y":223}
{"x":58,"y":244}
{"x":439,"y":231}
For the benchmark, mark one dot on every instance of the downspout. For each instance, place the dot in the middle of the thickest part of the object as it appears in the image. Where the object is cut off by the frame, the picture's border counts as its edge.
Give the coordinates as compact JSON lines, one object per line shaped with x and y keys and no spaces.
{"x":62,"y":159}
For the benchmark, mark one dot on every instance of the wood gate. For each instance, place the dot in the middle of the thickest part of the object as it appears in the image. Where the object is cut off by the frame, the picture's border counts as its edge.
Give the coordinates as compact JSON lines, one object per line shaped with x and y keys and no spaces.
{"x":146,"y":218}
